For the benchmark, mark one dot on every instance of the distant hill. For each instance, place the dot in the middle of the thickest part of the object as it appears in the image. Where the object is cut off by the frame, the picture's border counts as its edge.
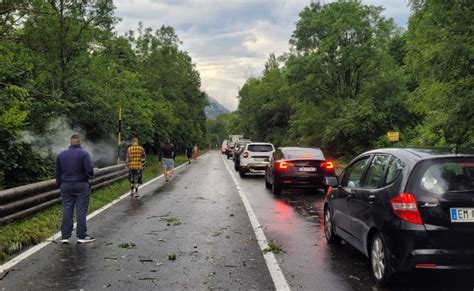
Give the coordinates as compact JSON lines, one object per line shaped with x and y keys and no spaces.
{"x":214,"y":109}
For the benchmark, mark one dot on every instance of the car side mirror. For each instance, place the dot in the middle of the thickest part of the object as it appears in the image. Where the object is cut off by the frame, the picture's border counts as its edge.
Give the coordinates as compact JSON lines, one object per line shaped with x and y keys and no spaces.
{"x":331,"y":181}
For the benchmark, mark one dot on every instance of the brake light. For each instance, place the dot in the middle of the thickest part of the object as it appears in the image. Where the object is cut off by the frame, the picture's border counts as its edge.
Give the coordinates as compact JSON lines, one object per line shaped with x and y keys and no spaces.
{"x":328,"y":166}
{"x":329,"y":191}
{"x":283,"y":165}
{"x":404,"y":206}
{"x":245,"y":155}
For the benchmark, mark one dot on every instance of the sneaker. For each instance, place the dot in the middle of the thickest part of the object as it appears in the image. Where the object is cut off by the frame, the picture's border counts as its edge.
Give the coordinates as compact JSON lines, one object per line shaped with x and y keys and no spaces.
{"x":85,"y":240}
{"x":64,"y":241}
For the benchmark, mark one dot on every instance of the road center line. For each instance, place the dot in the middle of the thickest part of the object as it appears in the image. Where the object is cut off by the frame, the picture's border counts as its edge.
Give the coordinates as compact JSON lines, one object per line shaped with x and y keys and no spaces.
{"x":6,"y":266}
{"x":275,"y":271}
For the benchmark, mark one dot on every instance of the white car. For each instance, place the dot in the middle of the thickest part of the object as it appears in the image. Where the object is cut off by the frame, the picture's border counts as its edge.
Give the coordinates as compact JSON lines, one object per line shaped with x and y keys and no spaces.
{"x":255,"y":157}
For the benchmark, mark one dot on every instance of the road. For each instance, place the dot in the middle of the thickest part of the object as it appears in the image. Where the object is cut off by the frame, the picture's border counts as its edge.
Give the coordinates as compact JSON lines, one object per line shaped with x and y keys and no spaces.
{"x":201,"y":219}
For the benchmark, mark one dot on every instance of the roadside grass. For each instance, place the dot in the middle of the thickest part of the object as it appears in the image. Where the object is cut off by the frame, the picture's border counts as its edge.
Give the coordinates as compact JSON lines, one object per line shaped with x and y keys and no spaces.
{"x":21,"y":234}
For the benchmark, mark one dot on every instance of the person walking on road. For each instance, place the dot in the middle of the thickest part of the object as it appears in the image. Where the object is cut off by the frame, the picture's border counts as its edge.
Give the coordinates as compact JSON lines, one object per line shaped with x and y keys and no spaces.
{"x":135,"y":160}
{"x":189,"y":153}
{"x":195,"y":152}
{"x":73,"y":170}
{"x":167,"y":157}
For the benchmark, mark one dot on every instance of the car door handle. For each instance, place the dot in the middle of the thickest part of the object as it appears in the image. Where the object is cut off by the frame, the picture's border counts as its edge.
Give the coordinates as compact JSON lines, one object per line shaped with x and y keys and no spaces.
{"x":349,"y":196}
{"x":371,"y":199}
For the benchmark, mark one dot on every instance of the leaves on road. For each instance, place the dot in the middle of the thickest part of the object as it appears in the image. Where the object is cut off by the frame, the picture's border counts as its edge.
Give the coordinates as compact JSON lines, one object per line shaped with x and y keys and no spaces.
{"x":172,"y":221}
{"x":273,"y":247}
{"x":172,"y":257}
{"x":127,"y":245}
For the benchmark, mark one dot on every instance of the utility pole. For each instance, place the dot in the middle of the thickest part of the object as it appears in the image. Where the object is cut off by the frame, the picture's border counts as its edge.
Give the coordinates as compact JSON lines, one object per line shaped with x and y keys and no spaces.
{"x":119,"y":134}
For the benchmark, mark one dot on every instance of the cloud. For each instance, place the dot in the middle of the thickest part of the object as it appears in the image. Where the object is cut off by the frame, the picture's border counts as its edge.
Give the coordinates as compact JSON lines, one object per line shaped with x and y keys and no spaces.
{"x":230,"y":40}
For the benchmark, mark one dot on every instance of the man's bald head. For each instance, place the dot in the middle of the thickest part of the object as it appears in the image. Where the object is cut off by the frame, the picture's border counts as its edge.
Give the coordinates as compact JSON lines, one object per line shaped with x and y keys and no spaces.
{"x":75,"y":139}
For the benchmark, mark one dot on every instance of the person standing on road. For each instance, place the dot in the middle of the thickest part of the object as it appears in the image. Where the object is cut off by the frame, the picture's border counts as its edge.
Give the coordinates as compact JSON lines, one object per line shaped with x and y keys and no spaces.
{"x":73,"y":170}
{"x":135,"y":159}
{"x":167,"y":156}
{"x":195,"y":152}
{"x":189,"y":153}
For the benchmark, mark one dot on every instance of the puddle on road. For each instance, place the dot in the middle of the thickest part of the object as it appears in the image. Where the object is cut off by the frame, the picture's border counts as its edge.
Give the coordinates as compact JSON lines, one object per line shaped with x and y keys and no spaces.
{"x":305,"y":202}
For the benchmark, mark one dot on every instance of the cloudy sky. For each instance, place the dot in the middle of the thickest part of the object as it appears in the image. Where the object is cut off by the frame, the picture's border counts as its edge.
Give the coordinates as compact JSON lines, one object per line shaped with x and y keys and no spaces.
{"x":230,"y":40}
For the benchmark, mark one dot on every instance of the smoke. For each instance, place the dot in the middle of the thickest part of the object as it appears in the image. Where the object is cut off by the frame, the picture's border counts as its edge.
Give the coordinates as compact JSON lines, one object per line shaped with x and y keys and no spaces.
{"x":55,"y":139}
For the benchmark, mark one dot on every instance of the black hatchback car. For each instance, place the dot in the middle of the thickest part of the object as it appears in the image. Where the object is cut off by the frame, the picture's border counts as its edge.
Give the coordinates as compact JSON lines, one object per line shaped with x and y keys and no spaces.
{"x":405,"y":209}
{"x":295,"y":167}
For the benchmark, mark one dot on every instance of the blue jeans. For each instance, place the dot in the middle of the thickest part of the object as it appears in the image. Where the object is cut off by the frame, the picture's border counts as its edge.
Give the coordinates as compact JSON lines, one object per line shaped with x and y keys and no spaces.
{"x":74,"y":195}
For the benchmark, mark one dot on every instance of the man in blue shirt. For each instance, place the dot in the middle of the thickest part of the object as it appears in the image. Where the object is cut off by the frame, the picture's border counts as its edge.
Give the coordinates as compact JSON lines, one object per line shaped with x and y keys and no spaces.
{"x":73,"y":170}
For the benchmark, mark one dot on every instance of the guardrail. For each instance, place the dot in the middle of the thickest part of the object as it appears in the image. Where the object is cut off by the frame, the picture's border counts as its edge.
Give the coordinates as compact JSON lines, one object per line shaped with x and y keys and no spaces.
{"x":19,"y":202}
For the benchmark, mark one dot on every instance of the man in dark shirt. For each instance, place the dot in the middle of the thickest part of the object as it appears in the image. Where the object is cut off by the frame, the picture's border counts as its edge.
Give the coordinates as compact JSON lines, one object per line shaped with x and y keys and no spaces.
{"x":167,"y":156}
{"x":189,"y":153}
{"x":73,"y":170}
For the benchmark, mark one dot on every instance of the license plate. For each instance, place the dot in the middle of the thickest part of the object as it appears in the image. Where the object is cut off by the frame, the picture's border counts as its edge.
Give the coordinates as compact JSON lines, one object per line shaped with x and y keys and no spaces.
{"x":462,"y":214}
{"x":261,"y":159}
{"x":308,"y":169}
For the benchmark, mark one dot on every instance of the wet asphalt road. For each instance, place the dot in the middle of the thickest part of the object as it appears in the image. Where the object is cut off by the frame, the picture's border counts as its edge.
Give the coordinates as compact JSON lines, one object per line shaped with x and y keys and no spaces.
{"x":200,"y":218}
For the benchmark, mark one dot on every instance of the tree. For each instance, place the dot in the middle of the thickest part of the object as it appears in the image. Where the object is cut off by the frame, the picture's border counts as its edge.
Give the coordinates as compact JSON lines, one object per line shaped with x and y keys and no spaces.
{"x":439,"y":59}
{"x":264,"y":110}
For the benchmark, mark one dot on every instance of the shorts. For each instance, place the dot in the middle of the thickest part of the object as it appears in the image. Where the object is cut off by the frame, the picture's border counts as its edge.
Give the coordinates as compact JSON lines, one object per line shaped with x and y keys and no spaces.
{"x":135,"y":176}
{"x":168,"y":164}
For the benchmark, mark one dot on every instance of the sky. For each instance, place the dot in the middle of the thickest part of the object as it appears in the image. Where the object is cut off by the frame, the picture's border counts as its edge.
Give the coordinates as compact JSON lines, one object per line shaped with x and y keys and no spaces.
{"x":230,"y":40}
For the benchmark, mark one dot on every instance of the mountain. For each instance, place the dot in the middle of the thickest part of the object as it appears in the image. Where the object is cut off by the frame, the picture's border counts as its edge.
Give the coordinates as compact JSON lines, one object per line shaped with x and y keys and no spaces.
{"x":214,"y":108}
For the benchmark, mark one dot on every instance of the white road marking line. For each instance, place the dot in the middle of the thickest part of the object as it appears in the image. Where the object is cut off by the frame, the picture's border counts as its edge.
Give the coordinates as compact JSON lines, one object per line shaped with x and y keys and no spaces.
{"x":275,"y":271}
{"x":57,"y":235}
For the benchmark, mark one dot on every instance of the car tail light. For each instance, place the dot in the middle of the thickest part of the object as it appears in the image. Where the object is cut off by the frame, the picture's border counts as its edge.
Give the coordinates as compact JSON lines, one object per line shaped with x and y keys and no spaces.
{"x":328,"y":166}
{"x":245,"y":155}
{"x":283,"y":165}
{"x":404,"y":206}
{"x":329,"y":191}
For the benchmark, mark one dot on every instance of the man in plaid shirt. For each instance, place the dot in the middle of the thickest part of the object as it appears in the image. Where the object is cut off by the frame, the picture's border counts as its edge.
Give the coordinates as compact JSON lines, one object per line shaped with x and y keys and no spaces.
{"x":135,"y":160}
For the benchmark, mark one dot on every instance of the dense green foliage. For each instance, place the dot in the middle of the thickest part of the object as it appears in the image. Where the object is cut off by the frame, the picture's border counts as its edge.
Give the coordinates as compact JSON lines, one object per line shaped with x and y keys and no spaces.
{"x":61,"y":60}
{"x":351,"y":76}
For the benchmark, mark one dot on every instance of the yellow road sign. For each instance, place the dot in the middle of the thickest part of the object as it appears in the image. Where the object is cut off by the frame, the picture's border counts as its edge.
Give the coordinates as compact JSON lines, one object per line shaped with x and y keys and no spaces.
{"x":393,"y":135}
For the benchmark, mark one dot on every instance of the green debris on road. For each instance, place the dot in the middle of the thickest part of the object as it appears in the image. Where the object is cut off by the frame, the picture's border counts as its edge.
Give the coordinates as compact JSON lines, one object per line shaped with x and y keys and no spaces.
{"x":127,"y":245}
{"x":273,"y":247}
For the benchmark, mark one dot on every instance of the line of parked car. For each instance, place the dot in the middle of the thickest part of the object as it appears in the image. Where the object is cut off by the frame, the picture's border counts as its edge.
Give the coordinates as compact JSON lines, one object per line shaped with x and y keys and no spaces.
{"x":403,"y":208}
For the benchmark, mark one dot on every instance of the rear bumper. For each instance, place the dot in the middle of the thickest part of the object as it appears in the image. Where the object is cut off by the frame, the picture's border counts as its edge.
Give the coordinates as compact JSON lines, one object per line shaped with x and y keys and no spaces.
{"x":301,"y":181}
{"x":254,"y":167}
{"x":413,"y":249}
{"x":440,"y":259}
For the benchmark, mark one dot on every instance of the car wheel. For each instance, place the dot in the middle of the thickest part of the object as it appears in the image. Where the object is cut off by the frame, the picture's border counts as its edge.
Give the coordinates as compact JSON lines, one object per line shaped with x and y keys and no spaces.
{"x":267,"y":184}
{"x":276,"y":187}
{"x":380,"y":261}
{"x":331,"y":237}
{"x":242,"y":174}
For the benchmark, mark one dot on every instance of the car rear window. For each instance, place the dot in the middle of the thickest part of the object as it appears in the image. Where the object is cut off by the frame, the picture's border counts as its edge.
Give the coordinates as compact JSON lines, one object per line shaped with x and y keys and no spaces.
{"x":260,"y":148}
{"x":311,"y":154}
{"x":442,"y":176}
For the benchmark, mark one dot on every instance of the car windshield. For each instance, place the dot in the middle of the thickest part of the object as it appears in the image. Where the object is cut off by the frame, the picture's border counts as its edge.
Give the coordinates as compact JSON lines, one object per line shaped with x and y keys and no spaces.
{"x":448,"y":176}
{"x":260,"y":148}
{"x":296,"y":154}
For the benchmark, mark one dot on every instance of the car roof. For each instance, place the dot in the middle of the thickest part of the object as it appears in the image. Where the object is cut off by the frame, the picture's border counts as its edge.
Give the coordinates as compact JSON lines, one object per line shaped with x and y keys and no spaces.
{"x":297,"y":148}
{"x":259,"y":143}
{"x":419,"y":153}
